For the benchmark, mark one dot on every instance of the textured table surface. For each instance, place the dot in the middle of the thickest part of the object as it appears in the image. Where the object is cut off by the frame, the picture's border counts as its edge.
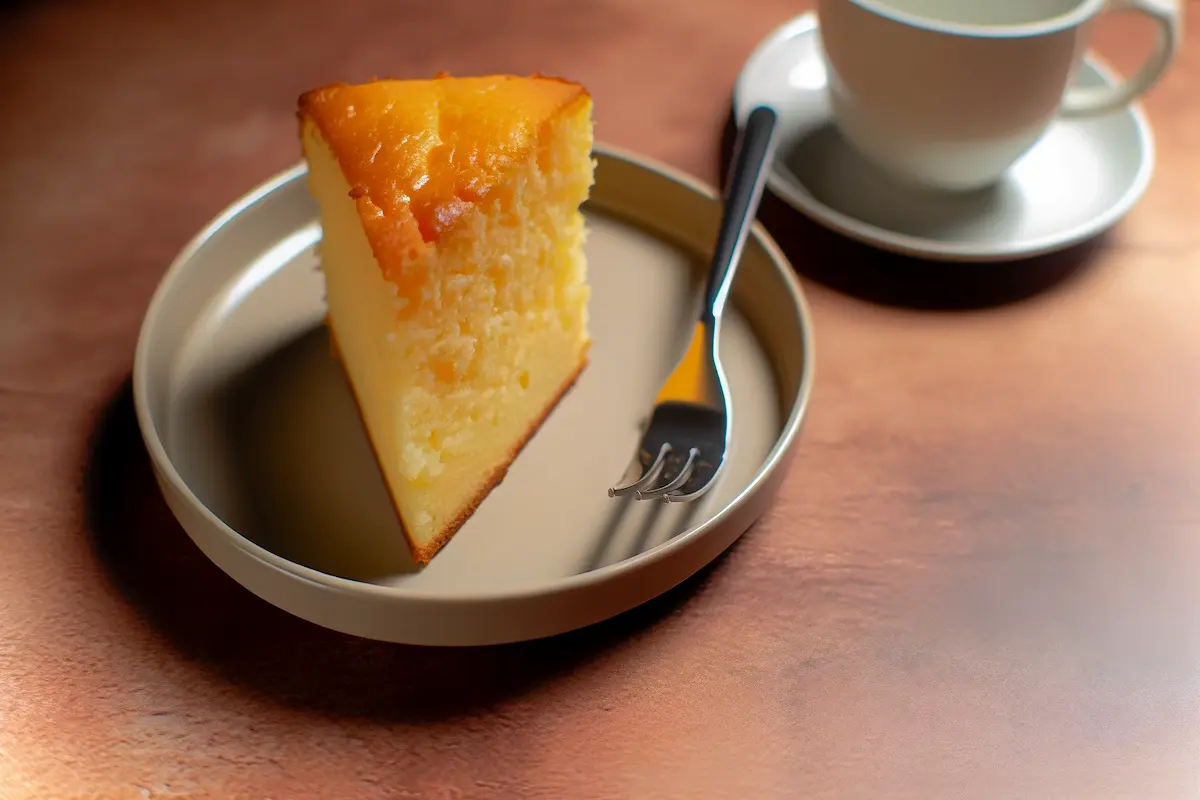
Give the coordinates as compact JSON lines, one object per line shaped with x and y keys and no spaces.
{"x":981,"y":579}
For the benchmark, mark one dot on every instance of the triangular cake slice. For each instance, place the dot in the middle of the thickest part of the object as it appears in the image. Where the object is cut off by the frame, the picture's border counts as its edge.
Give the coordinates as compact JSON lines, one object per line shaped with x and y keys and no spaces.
{"x":457,"y":293}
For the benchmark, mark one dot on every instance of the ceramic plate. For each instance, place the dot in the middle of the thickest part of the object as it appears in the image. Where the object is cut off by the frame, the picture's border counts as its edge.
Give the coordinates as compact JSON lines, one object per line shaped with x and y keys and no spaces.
{"x":1081,"y":177}
{"x":260,"y":454}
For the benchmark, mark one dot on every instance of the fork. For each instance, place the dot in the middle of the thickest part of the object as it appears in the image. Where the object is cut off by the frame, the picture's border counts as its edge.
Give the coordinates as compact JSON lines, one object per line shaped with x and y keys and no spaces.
{"x":683,"y":449}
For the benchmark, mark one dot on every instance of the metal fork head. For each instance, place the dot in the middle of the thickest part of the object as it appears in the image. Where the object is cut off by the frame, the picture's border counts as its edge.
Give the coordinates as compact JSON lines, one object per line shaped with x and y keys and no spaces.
{"x":680,"y":454}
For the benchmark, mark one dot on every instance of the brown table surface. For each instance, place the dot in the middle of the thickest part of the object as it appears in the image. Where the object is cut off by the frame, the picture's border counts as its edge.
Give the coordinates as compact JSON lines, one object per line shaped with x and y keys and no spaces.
{"x":981,"y":579}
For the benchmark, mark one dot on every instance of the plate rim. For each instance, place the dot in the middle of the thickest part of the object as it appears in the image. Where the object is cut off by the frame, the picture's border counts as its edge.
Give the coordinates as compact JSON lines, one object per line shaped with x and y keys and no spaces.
{"x":169,"y":477}
{"x":934,"y":249}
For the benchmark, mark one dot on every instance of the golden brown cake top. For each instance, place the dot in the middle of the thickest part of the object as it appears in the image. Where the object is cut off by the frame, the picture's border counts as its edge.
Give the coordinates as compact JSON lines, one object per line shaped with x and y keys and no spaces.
{"x":421,"y":153}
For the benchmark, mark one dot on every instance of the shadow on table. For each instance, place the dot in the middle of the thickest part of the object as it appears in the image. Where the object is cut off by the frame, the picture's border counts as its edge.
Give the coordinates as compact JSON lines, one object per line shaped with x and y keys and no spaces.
{"x":213,"y":621}
{"x":887,"y":278}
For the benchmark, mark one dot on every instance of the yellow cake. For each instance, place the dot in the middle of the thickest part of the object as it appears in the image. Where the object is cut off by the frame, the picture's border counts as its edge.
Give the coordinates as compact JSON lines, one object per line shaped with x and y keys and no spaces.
{"x":457,"y":293}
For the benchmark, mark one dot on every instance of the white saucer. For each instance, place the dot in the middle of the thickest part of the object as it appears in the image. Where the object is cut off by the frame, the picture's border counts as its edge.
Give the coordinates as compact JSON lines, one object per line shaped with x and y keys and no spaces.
{"x":1082,"y":177}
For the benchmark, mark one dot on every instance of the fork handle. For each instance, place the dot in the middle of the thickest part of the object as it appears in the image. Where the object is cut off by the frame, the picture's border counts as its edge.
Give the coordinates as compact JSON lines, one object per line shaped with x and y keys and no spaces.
{"x":748,"y":171}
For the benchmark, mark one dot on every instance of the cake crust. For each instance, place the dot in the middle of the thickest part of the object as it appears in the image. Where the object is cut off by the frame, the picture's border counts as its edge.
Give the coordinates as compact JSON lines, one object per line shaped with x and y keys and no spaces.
{"x":461,"y":138}
{"x":423,"y":555}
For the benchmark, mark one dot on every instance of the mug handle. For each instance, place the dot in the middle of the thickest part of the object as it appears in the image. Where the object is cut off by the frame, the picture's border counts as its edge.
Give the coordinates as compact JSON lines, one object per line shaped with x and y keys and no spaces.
{"x":1095,"y":100}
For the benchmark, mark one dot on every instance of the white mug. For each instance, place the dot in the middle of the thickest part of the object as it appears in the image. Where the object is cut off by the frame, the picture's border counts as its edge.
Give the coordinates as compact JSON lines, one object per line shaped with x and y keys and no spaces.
{"x":947,"y":94}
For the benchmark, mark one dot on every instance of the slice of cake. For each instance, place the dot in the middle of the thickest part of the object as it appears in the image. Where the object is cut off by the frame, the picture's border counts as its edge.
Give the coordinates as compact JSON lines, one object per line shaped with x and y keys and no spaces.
{"x":455,"y":277}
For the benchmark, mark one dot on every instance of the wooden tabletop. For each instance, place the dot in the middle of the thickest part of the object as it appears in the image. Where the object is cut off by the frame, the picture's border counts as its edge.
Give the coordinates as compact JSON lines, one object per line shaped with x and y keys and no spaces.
{"x":981,"y":579}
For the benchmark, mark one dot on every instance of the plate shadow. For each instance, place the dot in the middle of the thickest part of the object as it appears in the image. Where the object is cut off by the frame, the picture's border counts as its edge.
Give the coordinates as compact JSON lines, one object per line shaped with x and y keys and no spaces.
{"x":223,"y":628}
{"x":878,"y":276}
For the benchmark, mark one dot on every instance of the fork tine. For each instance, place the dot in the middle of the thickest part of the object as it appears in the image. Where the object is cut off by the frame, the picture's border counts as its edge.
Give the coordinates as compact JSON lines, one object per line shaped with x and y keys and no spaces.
{"x":679,"y":497}
{"x":648,"y":477}
{"x":679,"y":480}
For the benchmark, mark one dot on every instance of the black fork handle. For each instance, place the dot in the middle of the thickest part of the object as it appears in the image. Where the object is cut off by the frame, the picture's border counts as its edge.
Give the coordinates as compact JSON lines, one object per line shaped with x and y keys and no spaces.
{"x":751,"y":162}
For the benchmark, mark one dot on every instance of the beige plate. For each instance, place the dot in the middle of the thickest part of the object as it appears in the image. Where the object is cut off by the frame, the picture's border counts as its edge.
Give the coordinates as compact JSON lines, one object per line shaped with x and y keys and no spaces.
{"x":260,"y":453}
